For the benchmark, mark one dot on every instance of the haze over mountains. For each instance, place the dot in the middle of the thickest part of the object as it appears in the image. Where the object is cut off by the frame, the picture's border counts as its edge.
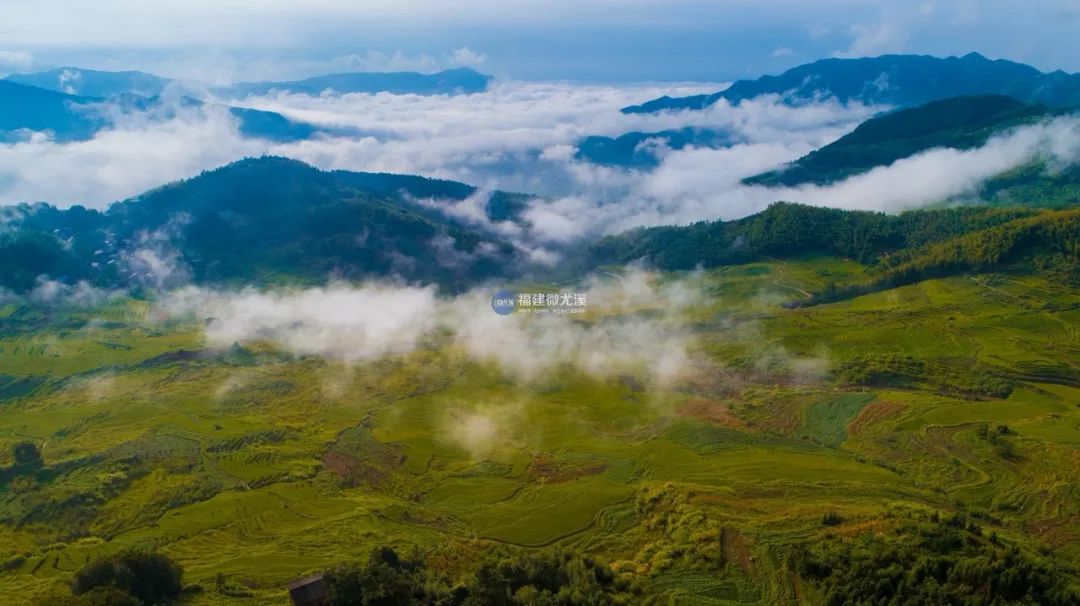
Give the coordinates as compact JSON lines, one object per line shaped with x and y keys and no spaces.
{"x":73,"y":104}
{"x":97,"y":83}
{"x":94,"y":83}
{"x":25,"y":110}
{"x":891,"y":81}
{"x":446,"y":232}
{"x":895,"y":80}
{"x":457,"y":81}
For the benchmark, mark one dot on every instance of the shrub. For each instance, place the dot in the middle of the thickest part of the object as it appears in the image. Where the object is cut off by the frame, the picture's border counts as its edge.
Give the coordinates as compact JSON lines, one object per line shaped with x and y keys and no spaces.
{"x":150,"y":578}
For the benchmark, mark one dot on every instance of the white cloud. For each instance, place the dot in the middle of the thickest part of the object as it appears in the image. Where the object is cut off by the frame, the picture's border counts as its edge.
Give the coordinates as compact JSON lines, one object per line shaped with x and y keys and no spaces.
{"x":465,"y":57}
{"x":520,"y":137}
{"x":473,"y":138}
{"x":15,"y":60}
{"x":136,"y":156}
{"x":872,"y":39}
{"x":356,"y":323}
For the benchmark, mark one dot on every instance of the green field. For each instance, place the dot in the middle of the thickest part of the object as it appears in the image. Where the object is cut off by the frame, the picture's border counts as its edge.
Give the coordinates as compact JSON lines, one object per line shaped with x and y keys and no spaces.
{"x":263,"y":466}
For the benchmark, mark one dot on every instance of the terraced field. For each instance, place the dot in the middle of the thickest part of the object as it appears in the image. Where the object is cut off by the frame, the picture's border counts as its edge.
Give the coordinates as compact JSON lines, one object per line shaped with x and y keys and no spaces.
{"x":955,"y":395}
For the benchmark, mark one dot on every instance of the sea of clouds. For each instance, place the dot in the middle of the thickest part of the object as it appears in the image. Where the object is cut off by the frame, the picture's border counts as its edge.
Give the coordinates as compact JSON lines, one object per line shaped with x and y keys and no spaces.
{"x":521,"y":136}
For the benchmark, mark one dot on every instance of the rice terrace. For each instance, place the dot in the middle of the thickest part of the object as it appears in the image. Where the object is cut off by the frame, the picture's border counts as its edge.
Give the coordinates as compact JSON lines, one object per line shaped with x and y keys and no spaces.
{"x":795,"y":326}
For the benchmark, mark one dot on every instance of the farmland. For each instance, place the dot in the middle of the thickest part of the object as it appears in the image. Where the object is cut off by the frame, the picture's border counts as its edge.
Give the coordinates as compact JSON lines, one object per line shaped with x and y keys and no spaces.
{"x":793,"y":429}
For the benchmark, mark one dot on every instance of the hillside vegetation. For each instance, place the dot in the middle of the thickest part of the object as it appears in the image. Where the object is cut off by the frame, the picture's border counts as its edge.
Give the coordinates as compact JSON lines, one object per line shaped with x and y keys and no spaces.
{"x":917,"y":444}
{"x":897,"y":249}
{"x":956,"y":123}
{"x":267,"y":217}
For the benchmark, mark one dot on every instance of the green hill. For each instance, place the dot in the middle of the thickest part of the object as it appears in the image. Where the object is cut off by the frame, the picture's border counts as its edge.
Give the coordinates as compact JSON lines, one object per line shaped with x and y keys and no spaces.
{"x":896,"y":249}
{"x":266,"y":218}
{"x":958,"y":123}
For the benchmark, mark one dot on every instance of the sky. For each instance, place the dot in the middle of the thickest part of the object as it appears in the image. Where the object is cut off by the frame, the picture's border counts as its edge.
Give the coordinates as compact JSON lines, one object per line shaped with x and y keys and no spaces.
{"x":587,"y":40}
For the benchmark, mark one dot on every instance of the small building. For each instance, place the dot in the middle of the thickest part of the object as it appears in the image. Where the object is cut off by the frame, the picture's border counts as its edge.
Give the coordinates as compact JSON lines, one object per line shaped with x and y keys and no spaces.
{"x":309,"y":591}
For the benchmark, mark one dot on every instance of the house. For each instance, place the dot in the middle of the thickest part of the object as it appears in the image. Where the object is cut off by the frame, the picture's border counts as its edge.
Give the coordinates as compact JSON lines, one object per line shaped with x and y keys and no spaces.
{"x":309,"y":591}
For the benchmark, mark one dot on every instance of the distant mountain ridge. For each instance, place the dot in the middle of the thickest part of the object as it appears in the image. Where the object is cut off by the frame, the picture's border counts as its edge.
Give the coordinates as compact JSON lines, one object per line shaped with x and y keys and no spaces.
{"x":895,"y":80}
{"x":96,"y":83}
{"x":447,"y":82}
{"x":637,"y":149}
{"x":68,"y":118}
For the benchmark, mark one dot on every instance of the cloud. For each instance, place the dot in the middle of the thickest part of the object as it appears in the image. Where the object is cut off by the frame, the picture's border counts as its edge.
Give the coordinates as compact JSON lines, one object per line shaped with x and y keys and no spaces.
{"x":705,"y":184}
{"x":392,"y":61}
{"x":138,"y":155}
{"x":521,"y":136}
{"x":635,"y":324}
{"x":872,"y":39}
{"x":153,"y":261}
{"x":817,"y":30}
{"x":781,"y":52}
{"x":81,"y":294}
{"x":465,"y":57}
{"x":338,"y":321}
{"x":15,"y":60}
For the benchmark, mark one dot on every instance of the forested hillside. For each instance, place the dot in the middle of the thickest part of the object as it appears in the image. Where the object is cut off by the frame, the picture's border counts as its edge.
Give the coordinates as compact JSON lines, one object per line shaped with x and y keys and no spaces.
{"x":957,"y":123}
{"x":267,"y":217}
{"x":902,"y":248}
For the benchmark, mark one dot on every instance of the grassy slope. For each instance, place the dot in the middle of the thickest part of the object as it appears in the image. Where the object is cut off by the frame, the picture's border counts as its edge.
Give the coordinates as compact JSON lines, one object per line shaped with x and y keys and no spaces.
{"x":264,"y":467}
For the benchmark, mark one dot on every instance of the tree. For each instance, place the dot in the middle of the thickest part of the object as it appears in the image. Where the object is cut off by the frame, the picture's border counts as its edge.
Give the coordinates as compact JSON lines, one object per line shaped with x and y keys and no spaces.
{"x":150,"y":578}
{"x":27,"y":454}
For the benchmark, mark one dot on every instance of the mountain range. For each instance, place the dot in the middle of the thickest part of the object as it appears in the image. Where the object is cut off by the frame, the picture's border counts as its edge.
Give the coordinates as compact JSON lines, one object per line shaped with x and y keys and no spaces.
{"x":894,"y":80}
{"x":279,"y":217}
{"x":96,"y":83}
{"x":447,"y":82}
{"x":25,"y":109}
{"x":73,"y":104}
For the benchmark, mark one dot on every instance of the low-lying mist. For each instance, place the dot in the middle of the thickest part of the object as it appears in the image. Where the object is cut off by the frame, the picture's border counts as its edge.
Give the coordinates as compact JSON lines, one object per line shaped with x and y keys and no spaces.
{"x":632,"y":323}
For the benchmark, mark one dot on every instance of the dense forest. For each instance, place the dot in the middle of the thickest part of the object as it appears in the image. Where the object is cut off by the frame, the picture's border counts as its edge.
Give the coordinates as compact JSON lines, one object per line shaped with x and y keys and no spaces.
{"x":903,"y":248}
{"x":267,"y":217}
{"x":957,"y":123}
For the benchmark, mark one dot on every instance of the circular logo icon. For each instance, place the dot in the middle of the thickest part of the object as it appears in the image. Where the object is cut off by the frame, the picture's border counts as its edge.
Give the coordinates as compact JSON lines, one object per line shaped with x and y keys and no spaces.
{"x":504,"y":302}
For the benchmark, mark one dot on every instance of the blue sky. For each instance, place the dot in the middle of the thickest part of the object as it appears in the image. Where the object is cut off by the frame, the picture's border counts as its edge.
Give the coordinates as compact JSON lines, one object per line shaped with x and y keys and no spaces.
{"x":592,"y":40}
